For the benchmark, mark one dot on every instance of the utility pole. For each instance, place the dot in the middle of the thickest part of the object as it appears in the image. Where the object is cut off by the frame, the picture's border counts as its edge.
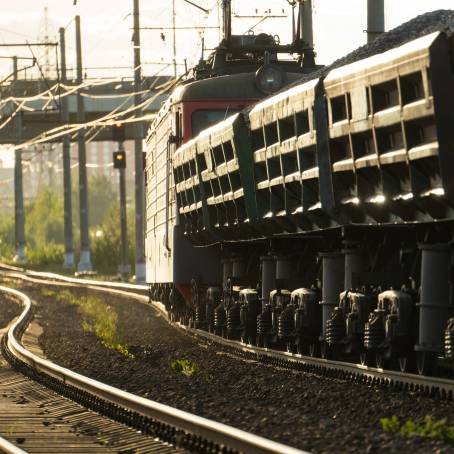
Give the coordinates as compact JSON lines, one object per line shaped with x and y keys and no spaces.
{"x":138,"y":153}
{"x":18,"y":183}
{"x":67,"y":202}
{"x":85,"y":259}
{"x":375,"y":19}
{"x":120,"y":164}
{"x":174,"y":26}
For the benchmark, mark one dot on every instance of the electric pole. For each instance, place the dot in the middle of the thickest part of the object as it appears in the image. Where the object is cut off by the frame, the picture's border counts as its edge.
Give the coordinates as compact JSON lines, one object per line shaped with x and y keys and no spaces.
{"x":85,"y":259}
{"x":174,"y":26}
{"x":138,"y":153}
{"x":375,"y":19}
{"x":67,"y":202}
{"x":18,"y":182}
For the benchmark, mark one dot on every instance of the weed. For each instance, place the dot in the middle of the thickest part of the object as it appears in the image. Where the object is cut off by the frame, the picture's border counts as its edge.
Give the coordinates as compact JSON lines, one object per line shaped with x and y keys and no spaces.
{"x":99,"y":319}
{"x":185,"y":367}
{"x":48,"y":293}
{"x":431,"y":428}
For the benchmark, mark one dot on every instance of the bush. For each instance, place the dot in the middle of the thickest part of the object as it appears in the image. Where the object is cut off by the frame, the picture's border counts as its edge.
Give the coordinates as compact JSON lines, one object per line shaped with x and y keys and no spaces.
{"x":106,"y":247}
{"x":48,"y":255}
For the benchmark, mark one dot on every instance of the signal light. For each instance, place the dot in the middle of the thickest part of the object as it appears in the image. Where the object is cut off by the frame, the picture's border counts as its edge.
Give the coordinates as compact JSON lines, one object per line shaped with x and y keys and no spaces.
{"x":119,"y":160}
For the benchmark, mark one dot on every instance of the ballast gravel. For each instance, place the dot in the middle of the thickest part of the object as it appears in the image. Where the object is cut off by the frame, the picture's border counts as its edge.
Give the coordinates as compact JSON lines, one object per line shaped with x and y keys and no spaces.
{"x":316,"y":414}
{"x":8,"y":310}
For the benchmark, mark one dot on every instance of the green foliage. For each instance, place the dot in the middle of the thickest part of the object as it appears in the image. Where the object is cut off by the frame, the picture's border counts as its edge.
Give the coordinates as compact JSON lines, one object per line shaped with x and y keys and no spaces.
{"x":437,"y":430}
{"x":44,"y":220}
{"x":106,"y":248}
{"x":7,"y":236}
{"x":99,"y":319}
{"x":44,"y":228}
{"x":45,"y":256}
{"x":185,"y":367}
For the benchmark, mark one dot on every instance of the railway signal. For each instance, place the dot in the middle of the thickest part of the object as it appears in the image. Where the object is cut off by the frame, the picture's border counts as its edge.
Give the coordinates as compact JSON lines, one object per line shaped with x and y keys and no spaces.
{"x":119,"y":159}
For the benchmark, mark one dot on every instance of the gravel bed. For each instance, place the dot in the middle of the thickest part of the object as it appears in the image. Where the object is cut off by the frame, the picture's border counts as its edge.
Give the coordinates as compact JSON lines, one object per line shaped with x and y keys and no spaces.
{"x":8,"y":310}
{"x":316,"y":414}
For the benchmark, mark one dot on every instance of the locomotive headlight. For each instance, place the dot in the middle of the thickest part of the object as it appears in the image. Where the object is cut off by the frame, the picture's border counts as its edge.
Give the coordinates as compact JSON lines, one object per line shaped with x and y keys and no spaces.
{"x":269,"y":79}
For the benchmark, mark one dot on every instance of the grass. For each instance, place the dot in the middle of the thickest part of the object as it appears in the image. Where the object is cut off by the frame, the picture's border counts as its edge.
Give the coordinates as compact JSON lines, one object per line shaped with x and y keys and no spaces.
{"x":185,"y":367}
{"x":100,"y":319}
{"x":430,"y":428}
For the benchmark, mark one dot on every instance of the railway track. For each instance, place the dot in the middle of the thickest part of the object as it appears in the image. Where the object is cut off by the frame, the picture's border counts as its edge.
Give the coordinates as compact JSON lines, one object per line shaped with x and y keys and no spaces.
{"x":441,"y":388}
{"x":128,"y":423}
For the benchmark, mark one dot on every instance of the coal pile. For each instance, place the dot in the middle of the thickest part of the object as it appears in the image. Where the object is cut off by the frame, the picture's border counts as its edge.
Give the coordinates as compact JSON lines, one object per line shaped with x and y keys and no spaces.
{"x":440,"y":20}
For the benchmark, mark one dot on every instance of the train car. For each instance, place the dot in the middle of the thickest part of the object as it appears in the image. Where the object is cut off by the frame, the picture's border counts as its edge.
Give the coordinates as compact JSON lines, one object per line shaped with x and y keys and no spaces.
{"x":242,"y":70}
{"x":332,"y":205}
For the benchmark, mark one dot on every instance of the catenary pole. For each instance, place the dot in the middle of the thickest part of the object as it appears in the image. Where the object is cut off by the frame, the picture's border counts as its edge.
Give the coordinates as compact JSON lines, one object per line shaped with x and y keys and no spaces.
{"x":85,"y":259}
{"x":375,"y":19}
{"x":67,"y":203}
{"x":18,"y":183}
{"x":124,"y":268}
{"x":138,"y":154}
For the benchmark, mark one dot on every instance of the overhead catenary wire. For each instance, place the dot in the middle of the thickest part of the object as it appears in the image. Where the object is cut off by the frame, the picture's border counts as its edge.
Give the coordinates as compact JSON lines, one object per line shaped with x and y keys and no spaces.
{"x":107,"y":120}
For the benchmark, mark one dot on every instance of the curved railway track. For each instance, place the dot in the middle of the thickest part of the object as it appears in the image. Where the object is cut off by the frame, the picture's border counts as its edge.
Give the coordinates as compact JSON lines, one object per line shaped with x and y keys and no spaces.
{"x":437,"y":387}
{"x":158,"y":427}
{"x":441,"y":388}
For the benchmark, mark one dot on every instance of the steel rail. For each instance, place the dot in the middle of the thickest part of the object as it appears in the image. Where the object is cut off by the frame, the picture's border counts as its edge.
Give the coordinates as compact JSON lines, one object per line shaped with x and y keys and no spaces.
{"x":205,"y":429}
{"x":8,"y":448}
{"x":435,"y":386}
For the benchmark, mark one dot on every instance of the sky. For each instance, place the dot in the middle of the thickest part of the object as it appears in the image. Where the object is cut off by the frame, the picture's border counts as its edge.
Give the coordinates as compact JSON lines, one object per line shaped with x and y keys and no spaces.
{"x":106,"y":30}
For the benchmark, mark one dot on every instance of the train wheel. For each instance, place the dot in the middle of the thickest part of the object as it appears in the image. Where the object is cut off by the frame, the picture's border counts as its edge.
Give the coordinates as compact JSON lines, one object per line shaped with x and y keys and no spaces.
{"x":366,"y":358}
{"x":426,"y":362}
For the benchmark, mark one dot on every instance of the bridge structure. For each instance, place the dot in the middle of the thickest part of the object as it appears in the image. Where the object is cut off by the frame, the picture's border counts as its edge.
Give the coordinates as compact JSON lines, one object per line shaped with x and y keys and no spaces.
{"x":39,"y":104}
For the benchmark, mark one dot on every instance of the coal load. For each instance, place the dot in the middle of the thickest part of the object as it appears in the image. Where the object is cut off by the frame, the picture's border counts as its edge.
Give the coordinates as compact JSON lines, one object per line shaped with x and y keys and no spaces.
{"x":440,"y":20}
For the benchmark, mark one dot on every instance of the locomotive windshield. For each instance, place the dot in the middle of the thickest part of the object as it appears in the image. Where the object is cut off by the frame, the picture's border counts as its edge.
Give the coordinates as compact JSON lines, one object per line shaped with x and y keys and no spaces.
{"x":202,"y":119}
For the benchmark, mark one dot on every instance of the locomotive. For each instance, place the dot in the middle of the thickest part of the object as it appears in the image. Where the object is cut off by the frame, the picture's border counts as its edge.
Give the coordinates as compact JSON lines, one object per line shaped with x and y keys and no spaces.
{"x":320,"y":219}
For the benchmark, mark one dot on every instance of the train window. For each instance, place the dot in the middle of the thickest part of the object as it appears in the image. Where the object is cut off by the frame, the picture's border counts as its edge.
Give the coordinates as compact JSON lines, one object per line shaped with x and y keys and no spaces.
{"x":302,"y":122}
{"x":257,"y":139}
{"x":202,"y":119}
{"x":178,"y":131}
{"x":411,"y":87}
{"x":385,"y":95}
{"x":286,"y":128}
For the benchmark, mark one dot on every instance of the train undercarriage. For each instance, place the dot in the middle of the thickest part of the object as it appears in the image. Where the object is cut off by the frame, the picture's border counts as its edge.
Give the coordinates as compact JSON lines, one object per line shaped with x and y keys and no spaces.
{"x":378,"y":295}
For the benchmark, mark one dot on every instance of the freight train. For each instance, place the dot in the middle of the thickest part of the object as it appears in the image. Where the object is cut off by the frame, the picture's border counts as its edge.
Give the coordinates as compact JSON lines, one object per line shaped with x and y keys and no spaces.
{"x":320,"y":219}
